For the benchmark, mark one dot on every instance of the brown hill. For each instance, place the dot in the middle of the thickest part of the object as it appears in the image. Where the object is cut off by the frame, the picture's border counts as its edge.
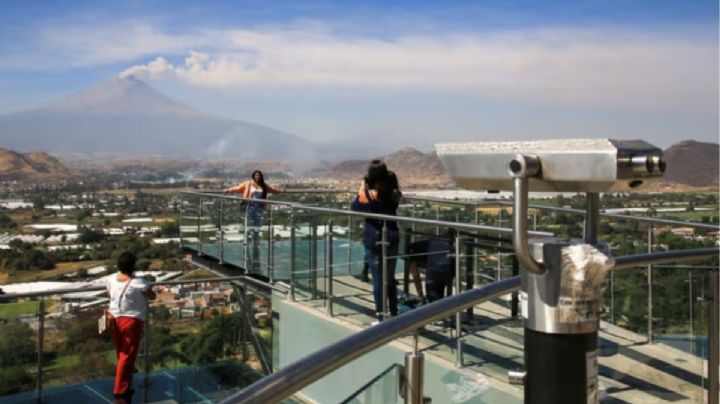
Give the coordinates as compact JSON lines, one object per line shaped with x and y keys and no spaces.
{"x":692,"y":163}
{"x":412,"y":166}
{"x":34,"y":165}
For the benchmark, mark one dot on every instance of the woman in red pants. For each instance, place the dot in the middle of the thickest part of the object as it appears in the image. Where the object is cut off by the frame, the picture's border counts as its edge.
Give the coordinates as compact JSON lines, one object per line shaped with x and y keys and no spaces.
{"x":128,"y":306}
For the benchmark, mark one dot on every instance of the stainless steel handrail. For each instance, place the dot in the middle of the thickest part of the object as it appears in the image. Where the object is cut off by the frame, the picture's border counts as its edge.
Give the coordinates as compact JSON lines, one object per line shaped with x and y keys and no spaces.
{"x":636,"y":260}
{"x":284,"y":383}
{"x":656,"y":220}
{"x":402,"y":219}
{"x":64,"y":291}
{"x":644,"y":219}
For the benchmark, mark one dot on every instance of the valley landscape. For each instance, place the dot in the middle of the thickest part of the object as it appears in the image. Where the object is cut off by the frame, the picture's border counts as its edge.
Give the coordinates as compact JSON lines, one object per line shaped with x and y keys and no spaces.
{"x":124,"y":125}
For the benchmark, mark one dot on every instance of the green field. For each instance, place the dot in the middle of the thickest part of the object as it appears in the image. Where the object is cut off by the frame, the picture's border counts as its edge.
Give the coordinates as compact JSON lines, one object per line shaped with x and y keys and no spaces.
{"x":18,"y":309}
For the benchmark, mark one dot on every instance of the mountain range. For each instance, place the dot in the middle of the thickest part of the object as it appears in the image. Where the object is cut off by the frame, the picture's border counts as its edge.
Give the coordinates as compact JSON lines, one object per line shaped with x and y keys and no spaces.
{"x":125,"y":116}
{"x":17,"y":166}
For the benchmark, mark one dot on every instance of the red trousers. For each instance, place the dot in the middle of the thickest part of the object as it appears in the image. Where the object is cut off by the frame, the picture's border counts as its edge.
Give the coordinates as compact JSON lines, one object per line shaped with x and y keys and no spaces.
{"x":126,"y":335}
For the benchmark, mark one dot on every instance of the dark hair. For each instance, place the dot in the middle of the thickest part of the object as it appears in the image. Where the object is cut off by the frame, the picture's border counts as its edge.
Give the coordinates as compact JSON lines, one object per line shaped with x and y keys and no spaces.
{"x":126,"y":263}
{"x":261,"y":182}
{"x":390,"y":188}
{"x":377,"y":173}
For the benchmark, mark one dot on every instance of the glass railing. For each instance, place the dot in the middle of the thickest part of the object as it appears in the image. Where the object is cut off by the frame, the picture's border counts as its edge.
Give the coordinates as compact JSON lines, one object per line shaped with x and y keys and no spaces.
{"x":383,"y":388}
{"x":203,"y":340}
{"x":319,"y":255}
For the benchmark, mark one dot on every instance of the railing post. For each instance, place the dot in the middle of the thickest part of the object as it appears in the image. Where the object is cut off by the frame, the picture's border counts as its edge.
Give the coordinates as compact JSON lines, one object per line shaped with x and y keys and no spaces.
{"x":458,"y":315}
{"x":292,"y":254}
{"x":221,"y":232}
{"x":246,"y":244}
{"x":313,"y":258}
{"x":199,"y":219}
{"x":406,"y":267}
{"x":329,"y":268}
{"x":350,"y":245}
{"x":270,"y":260}
{"x":714,"y":339}
{"x":40,"y":347}
{"x":146,"y":347}
{"x":650,"y":288}
{"x":415,"y":374}
{"x":437,"y":217}
{"x":592,"y":217}
{"x":383,"y":268}
{"x":498,"y":274}
{"x":514,"y":301}
{"x":246,"y":330}
{"x":612,"y":297}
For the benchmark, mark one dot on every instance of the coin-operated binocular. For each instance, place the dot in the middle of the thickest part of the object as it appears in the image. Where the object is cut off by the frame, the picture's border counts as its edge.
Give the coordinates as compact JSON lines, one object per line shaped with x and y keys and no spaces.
{"x":562,"y":279}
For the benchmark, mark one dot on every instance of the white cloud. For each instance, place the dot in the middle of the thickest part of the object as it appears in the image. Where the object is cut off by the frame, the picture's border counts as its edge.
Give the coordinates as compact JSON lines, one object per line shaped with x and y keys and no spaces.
{"x":158,"y":68}
{"x":597,"y":67}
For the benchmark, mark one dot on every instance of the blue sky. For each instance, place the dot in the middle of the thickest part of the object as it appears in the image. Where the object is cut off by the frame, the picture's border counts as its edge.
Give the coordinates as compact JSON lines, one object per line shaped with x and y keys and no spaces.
{"x":410,"y":73}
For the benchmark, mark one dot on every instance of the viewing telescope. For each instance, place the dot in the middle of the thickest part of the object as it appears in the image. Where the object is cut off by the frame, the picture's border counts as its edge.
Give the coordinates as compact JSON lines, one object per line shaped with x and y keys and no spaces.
{"x":562,"y":278}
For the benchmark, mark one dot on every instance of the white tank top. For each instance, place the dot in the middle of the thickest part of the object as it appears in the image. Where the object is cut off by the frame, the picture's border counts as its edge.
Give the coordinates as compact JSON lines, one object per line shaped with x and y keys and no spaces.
{"x":133,"y":303}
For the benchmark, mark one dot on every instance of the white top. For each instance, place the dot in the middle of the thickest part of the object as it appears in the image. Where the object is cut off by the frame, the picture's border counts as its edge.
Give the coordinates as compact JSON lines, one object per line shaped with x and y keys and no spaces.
{"x":133,"y":303}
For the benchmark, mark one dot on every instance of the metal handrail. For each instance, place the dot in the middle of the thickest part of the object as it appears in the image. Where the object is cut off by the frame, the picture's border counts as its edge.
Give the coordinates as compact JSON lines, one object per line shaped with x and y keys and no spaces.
{"x":389,"y":218}
{"x":636,"y":260}
{"x":284,"y":383}
{"x":656,"y":220}
{"x":644,"y":219}
{"x":64,"y":291}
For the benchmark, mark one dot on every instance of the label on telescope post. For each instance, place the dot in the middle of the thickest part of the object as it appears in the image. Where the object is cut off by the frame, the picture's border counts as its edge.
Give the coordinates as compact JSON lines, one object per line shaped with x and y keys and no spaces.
{"x":523,"y":297}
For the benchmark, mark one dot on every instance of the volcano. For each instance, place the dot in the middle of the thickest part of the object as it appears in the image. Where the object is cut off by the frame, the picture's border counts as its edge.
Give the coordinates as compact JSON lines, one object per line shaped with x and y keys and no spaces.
{"x":127,"y":117}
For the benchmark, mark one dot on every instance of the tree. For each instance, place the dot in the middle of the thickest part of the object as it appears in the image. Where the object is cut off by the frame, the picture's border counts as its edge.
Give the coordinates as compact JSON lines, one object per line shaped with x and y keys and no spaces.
{"x":16,"y":344}
{"x":6,"y":222}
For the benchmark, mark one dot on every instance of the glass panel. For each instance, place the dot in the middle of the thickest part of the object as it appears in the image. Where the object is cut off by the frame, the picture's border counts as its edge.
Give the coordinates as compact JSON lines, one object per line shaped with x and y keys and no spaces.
{"x":189,"y":222}
{"x":384,"y":388}
{"x":196,"y":347}
{"x":18,"y":347}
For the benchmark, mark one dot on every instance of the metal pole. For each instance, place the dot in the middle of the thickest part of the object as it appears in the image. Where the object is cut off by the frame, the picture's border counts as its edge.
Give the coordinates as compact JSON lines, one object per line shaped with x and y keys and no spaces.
{"x":650,"y":288}
{"x":592,"y":216}
{"x":458,"y":315}
{"x":199,"y":233}
{"x":612,"y":297}
{"x":470,"y":274}
{"x":313,"y":258}
{"x":146,"y":347}
{"x":245,"y":326}
{"x":406,"y":267}
{"x":499,"y":254}
{"x":270,"y":266}
{"x":384,"y":265}
{"x":437,"y":217}
{"x":246,"y":254}
{"x":714,"y":339}
{"x":329,"y":268}
{"x":690,"y":303}
{"x":414,"y":373}
{"x":535,"y":212}
{"x":350,"y":245}
{"x":514,"y":301}
{"x":222,"y":232}
{"x":292,"y":254}
{"x":40,"y":347}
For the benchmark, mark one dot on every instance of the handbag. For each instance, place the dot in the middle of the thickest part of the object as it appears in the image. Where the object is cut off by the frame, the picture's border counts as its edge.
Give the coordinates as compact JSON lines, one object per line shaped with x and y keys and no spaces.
{"x":106,"y":322}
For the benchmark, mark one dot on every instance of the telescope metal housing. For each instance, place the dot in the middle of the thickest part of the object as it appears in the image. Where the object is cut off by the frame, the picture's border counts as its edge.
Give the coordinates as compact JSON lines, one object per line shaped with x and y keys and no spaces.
{"x":566,"y":165}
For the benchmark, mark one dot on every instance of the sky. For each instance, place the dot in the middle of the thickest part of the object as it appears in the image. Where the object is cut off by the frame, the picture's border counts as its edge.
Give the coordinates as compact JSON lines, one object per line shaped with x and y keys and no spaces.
{"x":401,"y":73}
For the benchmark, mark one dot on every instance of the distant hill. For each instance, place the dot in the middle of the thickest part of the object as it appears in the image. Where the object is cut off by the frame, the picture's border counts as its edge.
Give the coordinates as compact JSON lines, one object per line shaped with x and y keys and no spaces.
{"x":692,"y":163}
{"x":35,"y":165}
{"x":412,"y":166}
{"x":126,"y":117}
